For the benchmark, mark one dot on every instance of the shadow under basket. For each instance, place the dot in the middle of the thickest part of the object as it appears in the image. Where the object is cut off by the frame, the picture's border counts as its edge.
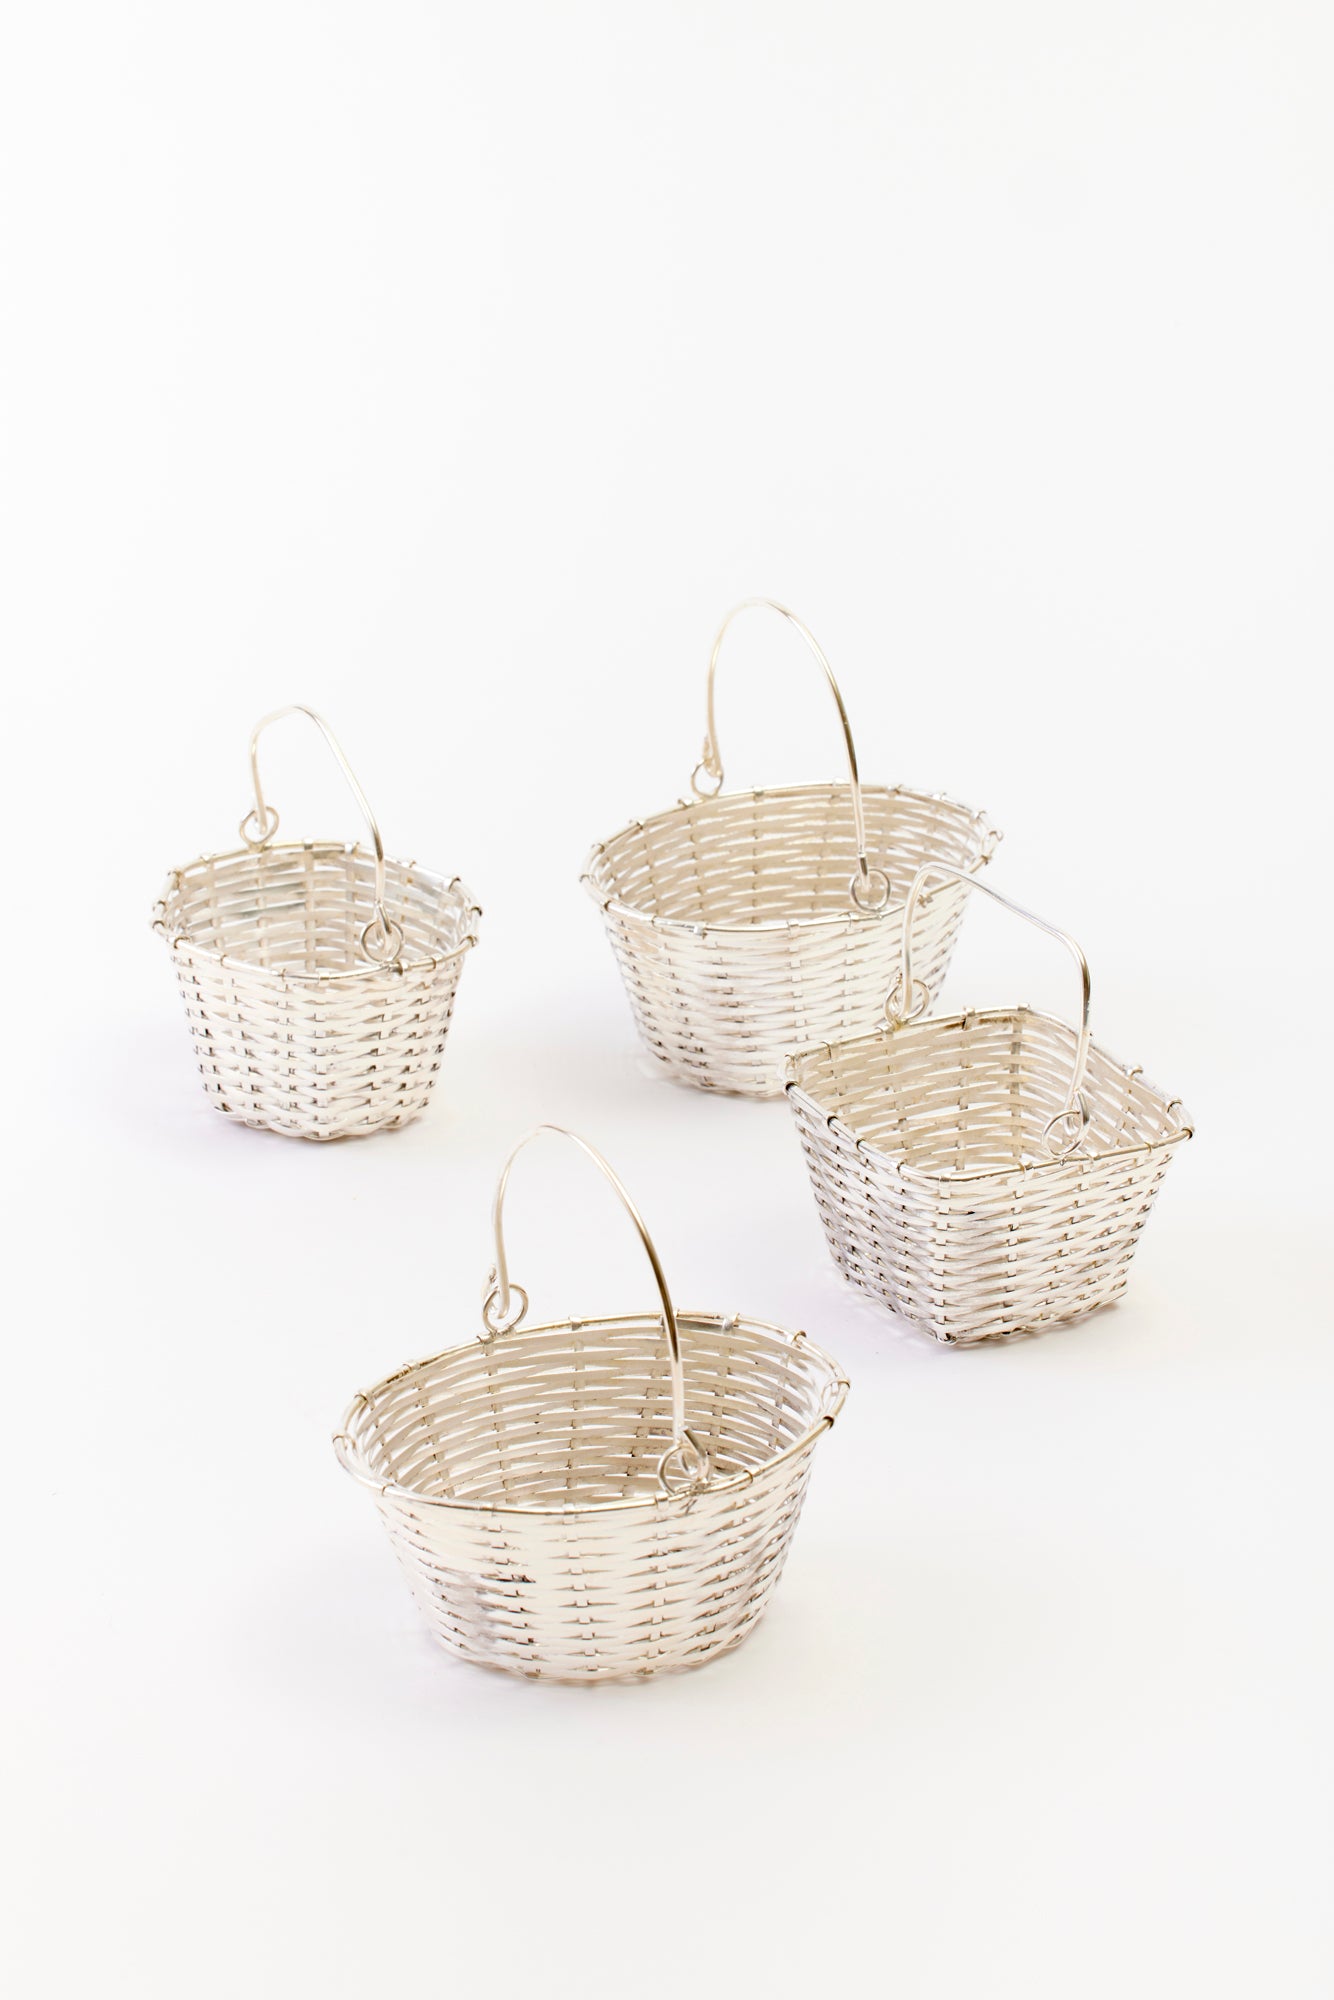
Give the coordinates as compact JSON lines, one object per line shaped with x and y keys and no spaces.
{"x":588,"y":1499}
{"x":981,"y":1174}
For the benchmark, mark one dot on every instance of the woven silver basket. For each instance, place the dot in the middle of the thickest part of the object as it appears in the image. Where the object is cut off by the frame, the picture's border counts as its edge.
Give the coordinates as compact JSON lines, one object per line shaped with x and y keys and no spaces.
{"x":318,"y":978}
{"x":594,"y":1499}
{"x":747,"y":924}
{"x":983,"y":1174}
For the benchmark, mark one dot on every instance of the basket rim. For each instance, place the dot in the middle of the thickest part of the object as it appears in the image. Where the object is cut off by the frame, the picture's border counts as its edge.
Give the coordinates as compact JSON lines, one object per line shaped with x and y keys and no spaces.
{"x":462,"y":894}
{"x":694,"y":927}
{"x":1024,"y":1168}
{"x":390,"y":1489}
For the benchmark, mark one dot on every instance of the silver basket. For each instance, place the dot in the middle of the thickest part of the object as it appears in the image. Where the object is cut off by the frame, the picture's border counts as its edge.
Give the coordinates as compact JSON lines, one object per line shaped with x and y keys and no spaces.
{"x":747,"y":924}
{"x":594,"y":1499}
{"x":982,"y":1174}
{"x":318,"y":978}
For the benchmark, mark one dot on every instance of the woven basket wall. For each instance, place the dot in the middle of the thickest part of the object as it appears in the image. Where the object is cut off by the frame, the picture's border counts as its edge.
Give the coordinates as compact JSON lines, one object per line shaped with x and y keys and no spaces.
{"x":293,"y":1029}
{"x":937,"y":1196}
{"x":517,"y":1479}
{"x":731,"y":922}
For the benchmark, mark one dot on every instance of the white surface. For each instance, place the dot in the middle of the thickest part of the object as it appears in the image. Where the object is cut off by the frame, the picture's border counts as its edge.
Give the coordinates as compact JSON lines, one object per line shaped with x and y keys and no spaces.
{"x":454,"y":370}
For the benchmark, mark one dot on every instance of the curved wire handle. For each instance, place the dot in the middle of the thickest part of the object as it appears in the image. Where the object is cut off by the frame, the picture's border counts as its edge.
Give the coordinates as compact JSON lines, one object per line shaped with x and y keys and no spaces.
{"x":381,"y":939}
{"x":862,"y":888}
{"x":1064,"y":1130}
{"x":684,"y":1453}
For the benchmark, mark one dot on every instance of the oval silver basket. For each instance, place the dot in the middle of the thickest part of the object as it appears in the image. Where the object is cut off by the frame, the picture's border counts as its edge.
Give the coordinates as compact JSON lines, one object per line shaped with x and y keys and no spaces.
{"x":594,"y":1499}
{"x":318,"y":978}
{"x":983,"y":1174}
{"x":747,"y":924}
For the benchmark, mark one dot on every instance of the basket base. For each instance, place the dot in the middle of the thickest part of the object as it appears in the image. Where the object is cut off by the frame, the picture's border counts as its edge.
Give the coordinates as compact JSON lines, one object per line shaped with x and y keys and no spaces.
{"x":593,"y":1675}
{"x":656,"y":1063}
{"x":871,"y":1288}
{"x":319,"y":1133}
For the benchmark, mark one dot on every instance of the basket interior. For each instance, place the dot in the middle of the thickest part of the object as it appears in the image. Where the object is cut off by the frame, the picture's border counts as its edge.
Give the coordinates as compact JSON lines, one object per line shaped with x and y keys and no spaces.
{"x":765,"y":857}
{"x":971,"y":1093}
{"x":571,"y":1415}
{"x":301,"y":908}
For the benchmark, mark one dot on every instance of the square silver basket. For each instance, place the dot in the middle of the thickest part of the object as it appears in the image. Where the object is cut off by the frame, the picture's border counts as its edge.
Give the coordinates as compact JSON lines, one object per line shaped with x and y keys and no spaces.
{"x":318,"y":978}
{"x":747,"y":924}
{"x":594,"y":1499}
{"x":981,"y":1174}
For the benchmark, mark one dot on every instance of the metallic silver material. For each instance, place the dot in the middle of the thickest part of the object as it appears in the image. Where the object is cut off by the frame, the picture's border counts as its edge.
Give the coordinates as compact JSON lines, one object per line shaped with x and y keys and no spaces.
{"x":387,"y":937}
{"x":498,"y":1316}
{"x":712,"y":759}
{"x":1073,"y":1117}
{"x":318,"y":980}
{"x":594,"y":1499}
{"x":747,"y":924}
{"x":981,"y":1174}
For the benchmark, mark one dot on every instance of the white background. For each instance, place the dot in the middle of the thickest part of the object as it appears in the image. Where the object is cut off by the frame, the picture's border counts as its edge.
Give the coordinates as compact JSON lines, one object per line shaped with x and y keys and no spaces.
{"x":453,"y":370}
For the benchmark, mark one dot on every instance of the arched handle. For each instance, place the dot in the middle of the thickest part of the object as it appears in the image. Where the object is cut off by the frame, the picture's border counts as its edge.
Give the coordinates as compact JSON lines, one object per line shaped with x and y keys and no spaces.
{"x":381,"y":939}
{"x":684,"y":1456}
{"x":1064,"y":1131}
{"x":869,"y":887}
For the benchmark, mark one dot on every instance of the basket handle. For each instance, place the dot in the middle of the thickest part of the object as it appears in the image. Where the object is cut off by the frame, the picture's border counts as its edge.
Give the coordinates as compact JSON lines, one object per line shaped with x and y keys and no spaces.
{"x":381,"y":939}
{"x":504,"y":1305}
{"x":1064,"y":1131}
{"x":869,"y":887}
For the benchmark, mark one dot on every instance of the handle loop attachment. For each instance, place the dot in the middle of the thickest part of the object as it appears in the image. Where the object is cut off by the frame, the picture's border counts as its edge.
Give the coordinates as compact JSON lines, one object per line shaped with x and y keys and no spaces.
{"x":1064,"y":1132}
{"x":381,"y":939}
{"x":869,"y":888}
{"x":684,"y":1466}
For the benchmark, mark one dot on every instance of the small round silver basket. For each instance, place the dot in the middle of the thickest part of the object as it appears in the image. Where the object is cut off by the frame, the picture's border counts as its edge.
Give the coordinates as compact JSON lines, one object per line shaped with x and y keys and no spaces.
{"x":318,"y":978}
{"x":747,"y":924}
{"x":594,"y":1499}
{"x":982,"y":1174}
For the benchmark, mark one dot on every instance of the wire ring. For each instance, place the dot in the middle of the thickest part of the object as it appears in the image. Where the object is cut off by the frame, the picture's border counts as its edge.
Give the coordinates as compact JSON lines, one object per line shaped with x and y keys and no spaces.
{"x":271,"y":827}
{"x":489,"y":1300}
{"x":921,"y":1001}
{"x":1064,"y":1132}
{"x":382,"y":930}
{"x":856,"y":885}
{"x":697,"y":788}
{"x":693,"y":1475}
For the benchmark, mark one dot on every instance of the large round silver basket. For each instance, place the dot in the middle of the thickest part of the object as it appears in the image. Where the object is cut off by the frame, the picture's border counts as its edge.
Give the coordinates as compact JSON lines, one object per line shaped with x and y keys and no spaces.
{"x":318,"y":978}
{"x":594,"y":1499}
{"x":982,"y":1174}
{"x":747,"y":924}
